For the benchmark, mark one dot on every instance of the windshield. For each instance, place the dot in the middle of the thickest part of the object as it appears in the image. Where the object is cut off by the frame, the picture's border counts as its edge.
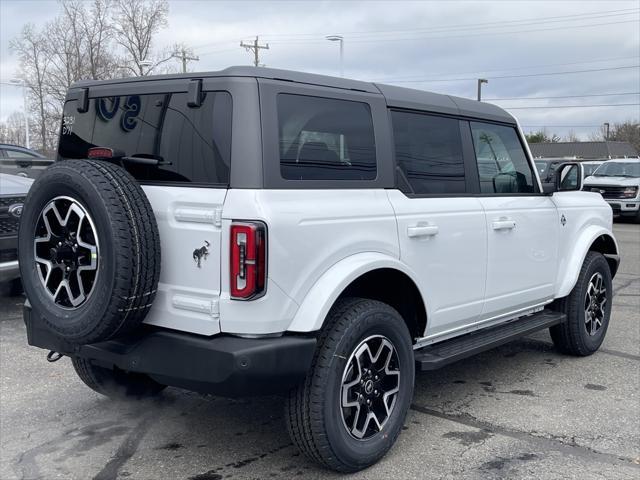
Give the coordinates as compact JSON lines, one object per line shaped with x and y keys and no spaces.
{"x":618,"y":169}
{"x":589,"y":168}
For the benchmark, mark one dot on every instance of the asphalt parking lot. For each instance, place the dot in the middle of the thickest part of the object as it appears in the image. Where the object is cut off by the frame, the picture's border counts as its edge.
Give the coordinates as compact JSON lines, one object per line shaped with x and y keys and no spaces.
{"x":520,"y":411}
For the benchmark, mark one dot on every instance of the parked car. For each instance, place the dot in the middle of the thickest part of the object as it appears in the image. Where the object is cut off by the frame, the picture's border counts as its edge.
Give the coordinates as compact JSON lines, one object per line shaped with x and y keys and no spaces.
{"x":547,"y":167}
{"x":590,"y":166}
{"x":618,"y":181}
{"x":13,"y":190}
{"x":21,"y":161}
{"x":321,"y":237}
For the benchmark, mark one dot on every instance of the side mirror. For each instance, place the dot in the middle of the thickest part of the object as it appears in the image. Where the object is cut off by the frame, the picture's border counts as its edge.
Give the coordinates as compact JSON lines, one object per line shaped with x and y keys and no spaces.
{"x":566,"y":178}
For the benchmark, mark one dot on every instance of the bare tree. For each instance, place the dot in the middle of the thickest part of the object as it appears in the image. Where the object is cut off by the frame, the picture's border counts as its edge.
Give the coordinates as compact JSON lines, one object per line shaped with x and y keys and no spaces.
{"x":31,"y":47}
{"x":12,"y":130}
{"x":571,"y":136}
{"x":135,"y":24}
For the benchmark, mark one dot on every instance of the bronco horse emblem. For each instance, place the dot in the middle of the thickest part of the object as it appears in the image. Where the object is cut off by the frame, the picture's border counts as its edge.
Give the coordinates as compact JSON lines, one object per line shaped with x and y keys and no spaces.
{"x":201,"y":253}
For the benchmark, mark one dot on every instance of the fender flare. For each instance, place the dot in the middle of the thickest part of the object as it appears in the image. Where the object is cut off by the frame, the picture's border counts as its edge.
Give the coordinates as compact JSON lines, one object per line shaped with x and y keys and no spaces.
{"x":570,"y":268}
{"x":321,"y":297}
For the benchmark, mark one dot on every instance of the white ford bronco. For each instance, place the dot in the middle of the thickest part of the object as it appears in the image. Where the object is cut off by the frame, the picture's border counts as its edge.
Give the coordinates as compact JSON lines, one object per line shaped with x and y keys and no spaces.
{"x":255,"y":231}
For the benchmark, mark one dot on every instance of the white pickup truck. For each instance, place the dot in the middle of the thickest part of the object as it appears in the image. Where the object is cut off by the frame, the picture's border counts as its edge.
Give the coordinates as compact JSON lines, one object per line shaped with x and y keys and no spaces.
{"x":618,"y":181}
{"x":254,"y":231}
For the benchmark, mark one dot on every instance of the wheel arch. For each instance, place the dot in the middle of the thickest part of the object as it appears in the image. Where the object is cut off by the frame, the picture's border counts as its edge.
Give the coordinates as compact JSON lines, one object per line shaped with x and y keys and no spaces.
{"x":593,"y":239}
{"x":368,"y":275}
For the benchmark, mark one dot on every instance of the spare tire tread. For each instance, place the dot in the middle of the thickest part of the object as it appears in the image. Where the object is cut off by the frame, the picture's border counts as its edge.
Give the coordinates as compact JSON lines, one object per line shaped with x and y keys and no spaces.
{"x":135,"y":251}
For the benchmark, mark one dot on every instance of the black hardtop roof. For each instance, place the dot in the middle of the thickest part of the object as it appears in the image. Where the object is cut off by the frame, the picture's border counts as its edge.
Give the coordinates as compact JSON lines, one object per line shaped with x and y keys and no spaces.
{"x":399,"y":97}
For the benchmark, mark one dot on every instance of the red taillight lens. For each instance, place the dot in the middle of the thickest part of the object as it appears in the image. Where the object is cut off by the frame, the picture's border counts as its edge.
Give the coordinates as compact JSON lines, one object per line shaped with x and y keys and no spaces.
{"x":248,"y":268}
{"x":99,"y":152}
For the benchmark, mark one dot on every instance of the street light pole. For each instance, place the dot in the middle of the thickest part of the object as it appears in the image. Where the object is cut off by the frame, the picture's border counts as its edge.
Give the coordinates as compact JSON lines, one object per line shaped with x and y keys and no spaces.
{"x":338,"y":38}
{"x":606,"y":136}
{"x":25,"y":112}
{"x":480,"y":82}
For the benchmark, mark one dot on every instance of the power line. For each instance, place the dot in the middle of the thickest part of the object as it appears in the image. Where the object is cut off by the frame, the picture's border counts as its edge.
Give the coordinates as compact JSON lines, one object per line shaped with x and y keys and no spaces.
{"x":482,"y":72}
{"x":486,"y":34}
{"x":575,"y":106}
{"x":467,"y":26}
{"x":427,"y":80}
{"x":446,"y":28}
{"x":566,"y":96}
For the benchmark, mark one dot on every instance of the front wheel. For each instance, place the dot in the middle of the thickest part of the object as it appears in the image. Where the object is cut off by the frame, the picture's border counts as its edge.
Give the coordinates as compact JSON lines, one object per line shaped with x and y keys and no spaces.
{"x":588,"y":309}
{"x":352,"y":406}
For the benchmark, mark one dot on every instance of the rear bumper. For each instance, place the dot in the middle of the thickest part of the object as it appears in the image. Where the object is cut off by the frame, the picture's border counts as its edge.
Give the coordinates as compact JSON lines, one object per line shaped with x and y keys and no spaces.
{"x":222,"y":365}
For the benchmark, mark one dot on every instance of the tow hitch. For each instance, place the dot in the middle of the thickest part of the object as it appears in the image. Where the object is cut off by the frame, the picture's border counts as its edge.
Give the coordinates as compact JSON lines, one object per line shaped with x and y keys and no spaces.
{"x":54,"y":356}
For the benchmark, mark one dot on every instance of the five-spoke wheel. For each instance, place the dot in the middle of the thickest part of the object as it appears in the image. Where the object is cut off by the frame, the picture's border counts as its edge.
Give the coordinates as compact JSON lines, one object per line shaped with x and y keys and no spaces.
{"x":595,"y":300}
{"x":370,"y":385}
{"x":66,"y":251}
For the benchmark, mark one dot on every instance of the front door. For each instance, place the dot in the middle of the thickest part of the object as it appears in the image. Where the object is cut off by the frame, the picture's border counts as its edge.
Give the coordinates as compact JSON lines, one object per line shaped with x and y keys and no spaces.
{"x":522,"y":224}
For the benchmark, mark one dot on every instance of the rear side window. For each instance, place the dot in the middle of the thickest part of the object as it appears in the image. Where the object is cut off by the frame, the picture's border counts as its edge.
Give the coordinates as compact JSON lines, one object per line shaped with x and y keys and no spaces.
{"x":194,"y":144}
{"x":502,"y":164}
{"x":325,"y":139}
{"x":429,"y":152}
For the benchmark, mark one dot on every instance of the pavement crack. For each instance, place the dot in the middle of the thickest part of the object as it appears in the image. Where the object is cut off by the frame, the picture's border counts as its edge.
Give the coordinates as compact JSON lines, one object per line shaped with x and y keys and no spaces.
{"x":542,"y":441}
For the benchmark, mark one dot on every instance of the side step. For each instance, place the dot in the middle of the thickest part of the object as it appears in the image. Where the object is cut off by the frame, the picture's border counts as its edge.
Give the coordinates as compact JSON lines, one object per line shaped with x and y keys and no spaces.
{"x":443,"y":353}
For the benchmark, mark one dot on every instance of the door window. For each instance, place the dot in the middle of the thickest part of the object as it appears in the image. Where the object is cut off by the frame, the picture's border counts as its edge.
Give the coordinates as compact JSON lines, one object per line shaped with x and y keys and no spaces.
{"x":325,"y":139}
{"x":429,"y":152}
{"x":502,"y":163}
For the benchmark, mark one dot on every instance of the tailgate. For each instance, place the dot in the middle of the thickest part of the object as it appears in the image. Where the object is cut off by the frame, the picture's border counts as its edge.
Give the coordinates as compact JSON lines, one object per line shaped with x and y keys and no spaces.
{"x":189,"y":221}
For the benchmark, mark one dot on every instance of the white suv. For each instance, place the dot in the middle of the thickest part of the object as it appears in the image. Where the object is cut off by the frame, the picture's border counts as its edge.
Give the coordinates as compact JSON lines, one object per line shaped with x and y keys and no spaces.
{"x":254,"y":231}
{"x":618,"y":181}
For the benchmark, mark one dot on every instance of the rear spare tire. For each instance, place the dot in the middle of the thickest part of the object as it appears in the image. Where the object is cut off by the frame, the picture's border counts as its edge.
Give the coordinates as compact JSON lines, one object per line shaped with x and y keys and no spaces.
{"x":89,"y":250}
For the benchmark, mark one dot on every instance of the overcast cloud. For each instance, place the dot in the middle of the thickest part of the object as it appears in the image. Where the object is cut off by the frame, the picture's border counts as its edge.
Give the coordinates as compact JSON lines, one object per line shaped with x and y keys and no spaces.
{"x":438,"y":46}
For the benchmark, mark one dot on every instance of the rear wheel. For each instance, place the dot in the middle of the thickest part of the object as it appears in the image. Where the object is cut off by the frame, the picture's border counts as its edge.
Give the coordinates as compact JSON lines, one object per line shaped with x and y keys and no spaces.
{"x":588,"y":309}
{"x":352,"y":406}
{"x":115,"y":383}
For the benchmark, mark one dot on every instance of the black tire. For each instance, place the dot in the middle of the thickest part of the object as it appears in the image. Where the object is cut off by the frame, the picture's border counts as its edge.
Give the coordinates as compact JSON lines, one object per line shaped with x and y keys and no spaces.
{"x":115,"y":383}
{"x":573,"y":336}
{"x":128,"y":259}
{"x":313,"y":411}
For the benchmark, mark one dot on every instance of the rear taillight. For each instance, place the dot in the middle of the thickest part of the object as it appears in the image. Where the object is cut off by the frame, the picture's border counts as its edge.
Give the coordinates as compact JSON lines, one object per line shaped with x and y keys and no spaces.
{"x":98,"y":153}
{"x":248,"y":258}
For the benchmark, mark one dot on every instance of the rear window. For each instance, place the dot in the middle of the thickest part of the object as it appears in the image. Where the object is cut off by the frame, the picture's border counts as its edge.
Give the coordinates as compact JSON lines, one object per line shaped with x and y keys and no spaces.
{"x":325,"y":139}
{"x":194,"y":144}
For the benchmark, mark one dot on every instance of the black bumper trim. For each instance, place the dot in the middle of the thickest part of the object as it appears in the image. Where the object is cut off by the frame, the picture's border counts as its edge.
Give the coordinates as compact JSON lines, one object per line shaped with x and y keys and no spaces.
{"x":222,"y":365}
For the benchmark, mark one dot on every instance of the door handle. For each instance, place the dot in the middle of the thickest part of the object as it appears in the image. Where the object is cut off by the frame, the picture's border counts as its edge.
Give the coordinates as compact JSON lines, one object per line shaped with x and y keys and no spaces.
{"x":419,"y":230}
{"x":503,"y":224}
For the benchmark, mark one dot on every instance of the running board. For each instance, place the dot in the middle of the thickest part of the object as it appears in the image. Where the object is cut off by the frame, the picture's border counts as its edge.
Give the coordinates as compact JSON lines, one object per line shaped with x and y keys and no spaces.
{"x":443,"y":353}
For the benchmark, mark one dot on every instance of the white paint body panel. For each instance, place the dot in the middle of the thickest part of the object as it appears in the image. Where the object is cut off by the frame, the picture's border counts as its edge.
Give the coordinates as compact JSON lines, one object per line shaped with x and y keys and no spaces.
{"x":522,"y":239}
{"x":188,"y":296}
{"x":449,"y":261}
{"x":469,"y":274}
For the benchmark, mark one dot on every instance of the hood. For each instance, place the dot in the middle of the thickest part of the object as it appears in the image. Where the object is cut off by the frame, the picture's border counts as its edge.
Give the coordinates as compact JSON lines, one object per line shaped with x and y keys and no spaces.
{"x":14,"y":185}
{"x":613,"y":181}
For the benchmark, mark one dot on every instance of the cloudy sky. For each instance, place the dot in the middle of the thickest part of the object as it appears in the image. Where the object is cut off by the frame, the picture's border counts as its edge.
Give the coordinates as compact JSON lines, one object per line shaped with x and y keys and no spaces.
{"x":581,"y":53}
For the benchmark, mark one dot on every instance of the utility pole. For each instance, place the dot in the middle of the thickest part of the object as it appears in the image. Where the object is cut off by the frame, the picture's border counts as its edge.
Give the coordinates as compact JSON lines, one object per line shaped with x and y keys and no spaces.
{"x":480,"y":82}
{"x":606,"y":135}
{"x":255,"y":47}
{"x":338,"y":38}
{"x":184,"y":56}
{"x":23,"y":84}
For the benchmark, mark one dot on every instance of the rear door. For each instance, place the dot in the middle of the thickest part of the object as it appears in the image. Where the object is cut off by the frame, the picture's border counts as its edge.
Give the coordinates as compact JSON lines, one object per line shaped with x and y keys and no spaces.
{"x":441,"y":228}
{"x":187,"y":190}
{"x":522,"y":224}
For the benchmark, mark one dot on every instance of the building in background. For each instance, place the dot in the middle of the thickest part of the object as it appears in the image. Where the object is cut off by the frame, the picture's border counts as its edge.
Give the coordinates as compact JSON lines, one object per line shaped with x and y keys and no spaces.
{"x":583,"y":150}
